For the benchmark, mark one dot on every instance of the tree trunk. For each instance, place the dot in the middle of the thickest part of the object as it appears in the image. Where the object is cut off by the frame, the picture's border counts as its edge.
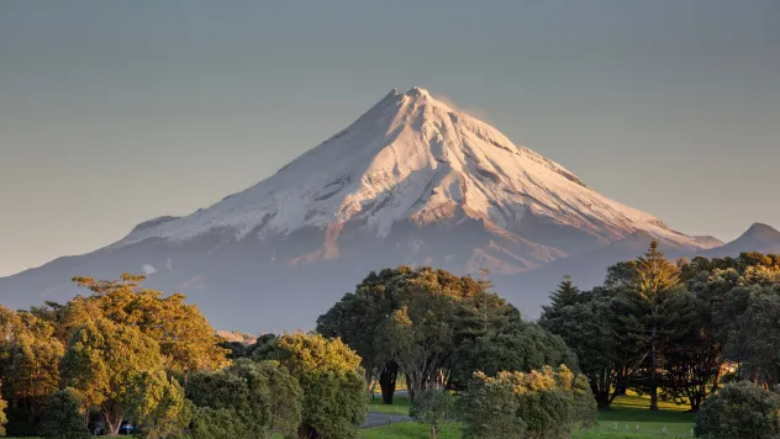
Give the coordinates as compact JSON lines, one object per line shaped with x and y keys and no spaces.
{"x":653,"y":380}
{"x":387,"y":381}
{"x":603,"y":399}
{"x":306,"y":432}
{"x":113,"y":420}
{"x":716,"y":379}
{"x":412,"y":384}
{"x":695,"y":403}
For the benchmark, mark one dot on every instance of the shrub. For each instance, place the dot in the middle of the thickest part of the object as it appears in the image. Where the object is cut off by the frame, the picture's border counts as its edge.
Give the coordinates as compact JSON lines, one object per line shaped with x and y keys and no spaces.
{"x":334,"y":390}
{"x":433,"y":407}
{"x":263,"y":397}
{"x":739,"y":410}
{"x":157,"y":405}
{"x":210,"y":423}
{"x":62,"y":417}
{"x":546,"y":404}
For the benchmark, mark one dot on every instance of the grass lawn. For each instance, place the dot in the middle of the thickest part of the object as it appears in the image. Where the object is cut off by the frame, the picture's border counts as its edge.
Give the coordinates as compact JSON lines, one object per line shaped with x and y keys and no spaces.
{"x":409,"y":430}
{"x":401,"y":405}
{"x":628,"y":411}
{"x":632,"y":411}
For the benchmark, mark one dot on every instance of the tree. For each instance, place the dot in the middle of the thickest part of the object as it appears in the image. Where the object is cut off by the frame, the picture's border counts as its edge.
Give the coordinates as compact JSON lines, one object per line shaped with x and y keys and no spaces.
{"x":739,"y":410}
{"x":421,"y":335}
{"x":274,"y":396}
{"x":725,"y":289}
{"x":210,"y":423}
{"x":654,"y":311}
{"x":222,"y":405}
{"x":334,"y":404}
{"x":101,"y":362}
{"x":755,"y":339}
{"x":3,"y":419}
{"x":489,"y":408}
{"x":433,"y":407}
{"x":418,"y":340}
{"x":264,"y":397}
{"x":567,"y":294}
{"x":30,"y":363}
{"x":186,"y":339}
{"x":548,"y":403}
{"x":524,"y":346}
{"x":334,"y":398}
{"x":62,"y":417}
{"x":362,"y":318}
{"x":157,"y":405}
{"x":357,"y":317}
{"x":588,"y":328}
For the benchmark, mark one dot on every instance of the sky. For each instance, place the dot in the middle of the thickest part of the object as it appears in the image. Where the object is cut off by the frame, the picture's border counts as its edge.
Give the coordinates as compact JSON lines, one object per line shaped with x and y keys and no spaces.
{"x":112,"y":113}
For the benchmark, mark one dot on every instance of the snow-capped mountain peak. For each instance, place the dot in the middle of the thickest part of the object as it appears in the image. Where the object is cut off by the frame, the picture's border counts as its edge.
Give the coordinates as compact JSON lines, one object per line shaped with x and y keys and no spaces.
{"x":411,"y":158}
{"x":412,"y":181}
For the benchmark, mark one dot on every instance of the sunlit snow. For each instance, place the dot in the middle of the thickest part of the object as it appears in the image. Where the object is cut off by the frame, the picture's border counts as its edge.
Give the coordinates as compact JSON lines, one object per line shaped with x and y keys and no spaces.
{"x":412,"y":157}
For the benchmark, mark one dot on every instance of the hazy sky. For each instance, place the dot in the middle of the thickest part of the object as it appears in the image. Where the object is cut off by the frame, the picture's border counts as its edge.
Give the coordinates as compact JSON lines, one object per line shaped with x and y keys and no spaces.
{"x":112,"y":113}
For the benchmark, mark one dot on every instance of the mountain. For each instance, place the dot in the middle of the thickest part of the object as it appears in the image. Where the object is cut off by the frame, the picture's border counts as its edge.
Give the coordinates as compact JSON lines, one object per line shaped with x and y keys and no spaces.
{"x":758,"y":238}
{"x":412,"y":181}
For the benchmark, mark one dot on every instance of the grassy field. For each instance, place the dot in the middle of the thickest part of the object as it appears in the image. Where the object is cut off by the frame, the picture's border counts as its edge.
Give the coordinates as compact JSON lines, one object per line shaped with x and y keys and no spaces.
{"x":627,"y":413}
{"x":400,"y":406}
{"x":408,"y":430}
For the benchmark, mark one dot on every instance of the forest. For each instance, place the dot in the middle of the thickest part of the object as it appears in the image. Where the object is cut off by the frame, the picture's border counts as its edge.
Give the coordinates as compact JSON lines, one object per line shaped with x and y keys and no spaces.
{"x":700,"y":334}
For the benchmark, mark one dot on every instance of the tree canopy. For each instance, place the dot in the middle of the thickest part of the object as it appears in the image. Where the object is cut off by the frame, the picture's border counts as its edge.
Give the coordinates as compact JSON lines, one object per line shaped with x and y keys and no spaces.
{"x":548,"y":403}
{"x":331,"y":379}
{"x":101,"y":363}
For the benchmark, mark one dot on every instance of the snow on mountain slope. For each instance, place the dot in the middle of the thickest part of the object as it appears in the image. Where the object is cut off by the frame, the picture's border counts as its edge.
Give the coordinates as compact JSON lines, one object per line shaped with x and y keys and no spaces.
{"x":412,"y":181}
{"x":411,"y":158}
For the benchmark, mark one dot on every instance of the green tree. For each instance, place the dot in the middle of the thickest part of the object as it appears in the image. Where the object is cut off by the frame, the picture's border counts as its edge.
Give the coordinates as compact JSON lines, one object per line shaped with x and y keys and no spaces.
{"x":215,"y":396}
{"x":334,"y":404}
{"x":274,"y":396}
{"x":588,"y":328}
{"x":724,"y":289}
{"x":755,"y":339}
{"x":548,"y":404}
{"x":420,"y":336}
{"x":567,"y":294}
{"x":655,"y":311}
{"x":157,"y":405}
{"x":62,"y":417}
{"x":362,"y":318}
{"x":211,"y":423}
{"x":334,"y":394}
{"x":488,"y":410}
{"x":433,"y":407}
{"x":101,"y":362}
{"x":356,"y":319}
{"x":524,"y":346}
{"x":264,"y":397}
{"x":739,"y":410}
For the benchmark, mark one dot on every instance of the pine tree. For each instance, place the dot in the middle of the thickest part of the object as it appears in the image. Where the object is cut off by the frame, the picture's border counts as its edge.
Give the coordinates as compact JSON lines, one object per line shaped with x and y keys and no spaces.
{"x":655,"y":310}
{"x":567,"y":294}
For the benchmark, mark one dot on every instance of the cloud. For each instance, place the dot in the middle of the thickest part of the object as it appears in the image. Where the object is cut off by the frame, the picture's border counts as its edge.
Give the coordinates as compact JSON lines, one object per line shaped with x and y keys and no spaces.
{"x":475,"y":112}
{"x":148,"y":269}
